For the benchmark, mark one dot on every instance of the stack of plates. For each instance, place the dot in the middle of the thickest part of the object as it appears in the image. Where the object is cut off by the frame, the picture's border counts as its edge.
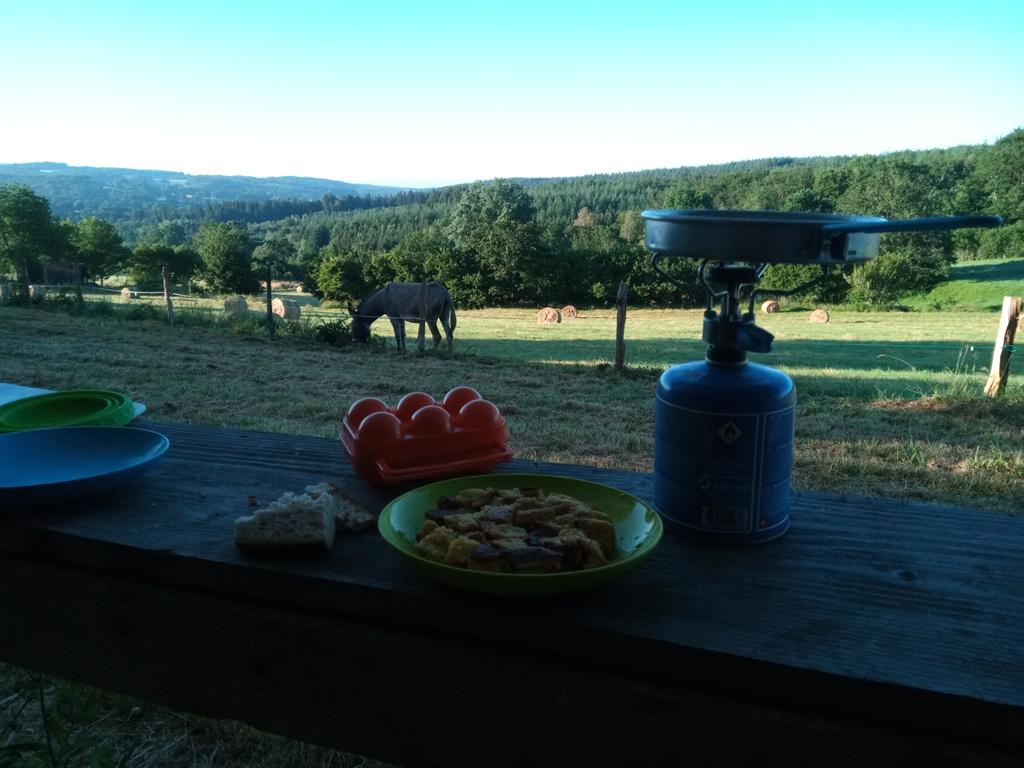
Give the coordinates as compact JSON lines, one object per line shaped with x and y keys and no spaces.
{"x":69,"y":408}
{"x":46,"y":466}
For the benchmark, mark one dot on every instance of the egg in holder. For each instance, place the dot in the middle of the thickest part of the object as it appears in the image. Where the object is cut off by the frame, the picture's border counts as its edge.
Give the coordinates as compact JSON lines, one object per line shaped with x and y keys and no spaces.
{"x":421,"y":439}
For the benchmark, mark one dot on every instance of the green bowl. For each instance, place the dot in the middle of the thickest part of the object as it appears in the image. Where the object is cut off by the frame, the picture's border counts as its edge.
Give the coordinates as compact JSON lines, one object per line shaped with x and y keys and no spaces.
{"x":68,"y":408}
{"x":637,"y":526}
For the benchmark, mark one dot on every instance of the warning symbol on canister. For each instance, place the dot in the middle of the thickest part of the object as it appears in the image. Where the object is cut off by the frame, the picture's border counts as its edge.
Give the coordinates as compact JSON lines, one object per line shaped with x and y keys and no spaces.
{"x":729,"y":432}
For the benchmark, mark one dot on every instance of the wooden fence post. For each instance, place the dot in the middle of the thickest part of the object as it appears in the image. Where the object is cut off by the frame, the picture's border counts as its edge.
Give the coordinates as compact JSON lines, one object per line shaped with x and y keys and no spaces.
{"x":271,"y":326}
{"x":620,"y":325}
{"x":79,"y":300}
{"x":167,"y":296}
{"x":1000,"y":369}
{"x":25,"y":279}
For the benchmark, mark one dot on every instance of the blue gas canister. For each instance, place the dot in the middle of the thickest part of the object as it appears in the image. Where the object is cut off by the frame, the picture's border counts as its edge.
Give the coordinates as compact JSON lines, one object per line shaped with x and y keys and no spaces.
{"x":723,"y":451}
{"x":723,"y":448}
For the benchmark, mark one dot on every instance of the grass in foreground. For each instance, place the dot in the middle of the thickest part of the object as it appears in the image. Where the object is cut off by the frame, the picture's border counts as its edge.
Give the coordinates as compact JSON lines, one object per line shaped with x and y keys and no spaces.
{"x":49,"y":723}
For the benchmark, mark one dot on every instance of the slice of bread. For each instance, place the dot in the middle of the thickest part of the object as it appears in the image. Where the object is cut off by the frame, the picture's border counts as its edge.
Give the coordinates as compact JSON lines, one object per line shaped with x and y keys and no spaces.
{"x":293,"y":522}
{"x":349,"y":515}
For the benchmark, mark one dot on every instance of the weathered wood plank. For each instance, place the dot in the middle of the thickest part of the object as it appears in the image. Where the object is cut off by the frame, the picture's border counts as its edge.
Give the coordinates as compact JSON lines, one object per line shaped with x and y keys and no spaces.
{"x":903,"y":616}
{"x":417,"y":698}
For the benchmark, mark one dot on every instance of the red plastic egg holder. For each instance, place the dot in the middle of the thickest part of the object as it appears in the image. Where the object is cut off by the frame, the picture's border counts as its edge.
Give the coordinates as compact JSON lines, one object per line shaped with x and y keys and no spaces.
{"x":421,"y":438}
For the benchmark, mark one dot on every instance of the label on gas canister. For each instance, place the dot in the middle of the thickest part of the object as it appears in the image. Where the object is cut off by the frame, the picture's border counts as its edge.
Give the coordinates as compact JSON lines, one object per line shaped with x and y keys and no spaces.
{"x":724,"y":473}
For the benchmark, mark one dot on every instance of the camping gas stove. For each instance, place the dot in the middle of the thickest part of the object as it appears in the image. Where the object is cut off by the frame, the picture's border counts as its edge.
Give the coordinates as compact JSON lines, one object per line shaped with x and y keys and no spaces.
{"x":724,"y":427}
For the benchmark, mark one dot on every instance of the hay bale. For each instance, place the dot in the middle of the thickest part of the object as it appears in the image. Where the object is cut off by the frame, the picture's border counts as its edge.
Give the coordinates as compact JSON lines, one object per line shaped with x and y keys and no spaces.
{"x":235,"y":305}
{"x":127,"y":294}
{"x":37,"y":292}
{"x":549,"y":315}
{"x":819,"y":316}
{"x":287,"y":309}
{"x":771,"y":306}
{"x":570,"y":311}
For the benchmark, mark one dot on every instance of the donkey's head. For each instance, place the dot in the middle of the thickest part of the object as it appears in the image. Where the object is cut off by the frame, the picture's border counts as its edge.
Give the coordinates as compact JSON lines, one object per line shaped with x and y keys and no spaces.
{"x":360,"y":324}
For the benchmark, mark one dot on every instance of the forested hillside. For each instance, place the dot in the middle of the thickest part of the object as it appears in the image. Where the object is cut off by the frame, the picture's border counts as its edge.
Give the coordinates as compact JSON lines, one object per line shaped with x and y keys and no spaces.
{"x":540,"y":241}
{"x":118,"y":194}
{"x":573,"y":239}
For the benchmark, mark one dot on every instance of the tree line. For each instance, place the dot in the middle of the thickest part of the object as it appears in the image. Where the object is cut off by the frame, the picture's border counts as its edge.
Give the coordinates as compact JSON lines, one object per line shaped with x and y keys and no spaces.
{"x":572,"y":240}
{"x":530,"y":242}
{"x":223,"y":255}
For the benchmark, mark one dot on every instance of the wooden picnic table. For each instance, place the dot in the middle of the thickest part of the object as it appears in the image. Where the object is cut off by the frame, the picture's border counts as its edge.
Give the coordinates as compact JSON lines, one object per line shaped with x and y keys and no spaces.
{"x":874,"y":633}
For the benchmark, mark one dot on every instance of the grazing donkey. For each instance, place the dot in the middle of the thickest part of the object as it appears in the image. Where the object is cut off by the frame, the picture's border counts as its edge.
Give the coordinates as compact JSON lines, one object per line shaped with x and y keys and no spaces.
{"x":417,"y":302}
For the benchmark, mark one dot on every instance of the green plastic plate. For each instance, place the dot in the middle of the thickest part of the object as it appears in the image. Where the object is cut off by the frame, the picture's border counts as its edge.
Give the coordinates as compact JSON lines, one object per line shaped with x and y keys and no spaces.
{"x":68,"y":408}
{"x":638,"y":531}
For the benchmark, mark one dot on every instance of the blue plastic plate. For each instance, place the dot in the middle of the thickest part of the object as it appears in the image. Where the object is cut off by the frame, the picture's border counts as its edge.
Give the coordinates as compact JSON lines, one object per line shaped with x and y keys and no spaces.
{"x":43,"y":466}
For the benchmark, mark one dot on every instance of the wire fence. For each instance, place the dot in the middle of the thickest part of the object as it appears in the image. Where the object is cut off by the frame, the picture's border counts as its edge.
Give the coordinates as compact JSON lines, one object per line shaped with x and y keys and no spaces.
{"x":466,"y":318}
{"x":206,"y":304}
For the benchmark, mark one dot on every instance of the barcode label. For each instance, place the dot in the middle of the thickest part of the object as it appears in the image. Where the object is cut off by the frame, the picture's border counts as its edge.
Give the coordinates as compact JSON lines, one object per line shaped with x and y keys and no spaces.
{"x":725,"y":518}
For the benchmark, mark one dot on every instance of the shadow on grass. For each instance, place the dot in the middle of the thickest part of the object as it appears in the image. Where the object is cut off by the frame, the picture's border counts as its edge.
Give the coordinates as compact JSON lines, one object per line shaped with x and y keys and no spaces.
{"x":983,"y":273}
{"x":860,"y":371}
{"x":927,"y":356}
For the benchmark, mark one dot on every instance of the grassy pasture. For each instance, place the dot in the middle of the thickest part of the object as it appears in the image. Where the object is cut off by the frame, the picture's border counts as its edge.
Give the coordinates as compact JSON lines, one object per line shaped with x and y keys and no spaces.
{"x":869,"y":385}
{"x":975,"y":285}
{"x":888,"y":354}
{"x":890,"y":404}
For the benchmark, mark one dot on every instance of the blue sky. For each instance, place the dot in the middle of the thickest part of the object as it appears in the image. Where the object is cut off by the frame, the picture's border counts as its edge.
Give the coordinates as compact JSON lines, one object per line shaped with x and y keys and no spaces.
{"x":424,"y":94}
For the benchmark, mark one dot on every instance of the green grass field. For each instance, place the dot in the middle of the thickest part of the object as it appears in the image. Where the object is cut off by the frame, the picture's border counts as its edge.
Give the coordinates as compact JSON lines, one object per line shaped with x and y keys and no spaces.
{"x":894,"y":354}
{"x":975,"y":285}
{"x":857,"y":353}
{"x":868,"y":383}
{"x":891,"y":404}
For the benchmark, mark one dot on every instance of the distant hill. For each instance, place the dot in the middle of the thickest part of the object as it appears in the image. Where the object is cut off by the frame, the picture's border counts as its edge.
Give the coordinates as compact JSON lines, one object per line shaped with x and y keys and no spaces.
{"x":124,"y":195}
{"x":118,"y":193}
